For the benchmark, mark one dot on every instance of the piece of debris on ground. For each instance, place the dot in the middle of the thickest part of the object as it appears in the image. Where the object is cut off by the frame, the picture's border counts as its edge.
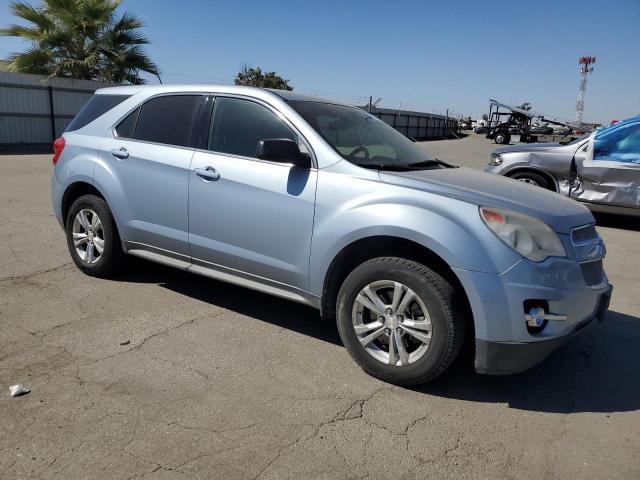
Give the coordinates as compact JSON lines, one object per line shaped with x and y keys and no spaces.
{"x":17,"y":390}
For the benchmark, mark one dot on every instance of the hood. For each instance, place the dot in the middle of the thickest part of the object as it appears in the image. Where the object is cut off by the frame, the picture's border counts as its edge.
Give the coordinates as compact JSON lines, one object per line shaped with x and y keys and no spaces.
{"x":527,"y":147}
{"x":485,"y":189}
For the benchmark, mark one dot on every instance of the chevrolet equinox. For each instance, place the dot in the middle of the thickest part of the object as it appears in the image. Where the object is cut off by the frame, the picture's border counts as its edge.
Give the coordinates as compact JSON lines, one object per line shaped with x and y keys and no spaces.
{"x":326,"y":205}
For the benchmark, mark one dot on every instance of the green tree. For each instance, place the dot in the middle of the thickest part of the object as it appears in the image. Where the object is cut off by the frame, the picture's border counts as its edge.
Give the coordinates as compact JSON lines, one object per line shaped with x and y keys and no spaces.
{"x":82,"y":39}
{"x":254,"y":77}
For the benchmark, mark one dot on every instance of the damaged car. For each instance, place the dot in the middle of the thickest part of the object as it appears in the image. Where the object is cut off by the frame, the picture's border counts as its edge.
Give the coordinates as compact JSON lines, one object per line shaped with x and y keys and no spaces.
{"x":326,"y":205}
{"x":601,"y":169}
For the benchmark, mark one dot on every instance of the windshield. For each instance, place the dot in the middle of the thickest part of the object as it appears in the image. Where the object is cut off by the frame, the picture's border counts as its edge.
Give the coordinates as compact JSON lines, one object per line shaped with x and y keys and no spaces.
{"x":362,"y":139}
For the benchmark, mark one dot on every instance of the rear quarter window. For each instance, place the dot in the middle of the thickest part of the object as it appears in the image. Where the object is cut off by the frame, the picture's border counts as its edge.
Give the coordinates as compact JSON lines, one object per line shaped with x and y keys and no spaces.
{"x":126,"y":128}
{"x":97,"y":106}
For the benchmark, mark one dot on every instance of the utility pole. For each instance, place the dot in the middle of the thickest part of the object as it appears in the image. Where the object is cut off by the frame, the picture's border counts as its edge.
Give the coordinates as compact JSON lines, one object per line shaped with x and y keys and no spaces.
{"x":446,"y":123}
{"x":373,"y":104}
{"x":585,"y":68}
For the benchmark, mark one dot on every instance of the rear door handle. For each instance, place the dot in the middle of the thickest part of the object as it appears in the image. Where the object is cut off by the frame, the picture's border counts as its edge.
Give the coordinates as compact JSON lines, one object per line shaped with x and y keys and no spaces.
{"x":120,"y":152}
{"x":208,"y":173}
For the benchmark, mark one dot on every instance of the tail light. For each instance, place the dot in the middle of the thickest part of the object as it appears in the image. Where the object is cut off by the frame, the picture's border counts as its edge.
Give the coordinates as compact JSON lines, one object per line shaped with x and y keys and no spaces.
{"x":58,"y":146}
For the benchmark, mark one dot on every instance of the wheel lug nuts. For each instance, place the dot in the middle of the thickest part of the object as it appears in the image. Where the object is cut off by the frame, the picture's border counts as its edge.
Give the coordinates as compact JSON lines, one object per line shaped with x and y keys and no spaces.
{"x":400,"y":318}
{"x":399,"y":331}
{"x":381,"y":318}
{"x":387,"y":331}
{"x":389,"y":311}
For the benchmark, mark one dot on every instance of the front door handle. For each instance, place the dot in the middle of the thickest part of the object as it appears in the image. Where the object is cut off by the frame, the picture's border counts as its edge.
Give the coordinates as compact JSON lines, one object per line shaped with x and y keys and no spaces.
{"x":208,"y":173}
{"x":120,"y":152}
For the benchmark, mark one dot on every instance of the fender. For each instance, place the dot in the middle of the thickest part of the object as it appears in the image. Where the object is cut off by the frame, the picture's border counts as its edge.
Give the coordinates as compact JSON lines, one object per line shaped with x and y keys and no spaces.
{"x":399,"y":212}
{"x":76,"y":164}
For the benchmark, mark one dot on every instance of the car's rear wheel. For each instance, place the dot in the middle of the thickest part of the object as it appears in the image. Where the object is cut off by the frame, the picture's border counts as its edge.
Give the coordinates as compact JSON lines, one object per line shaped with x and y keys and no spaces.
{"x":397,"y":320}
{"x":92,"y":237}
{"x":532,"y":179}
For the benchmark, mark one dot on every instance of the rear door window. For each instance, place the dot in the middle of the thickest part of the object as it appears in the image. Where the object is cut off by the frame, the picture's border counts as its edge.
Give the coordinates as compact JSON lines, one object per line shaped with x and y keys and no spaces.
{"x":168,"y":119}
{"x":238,"y":125}
{"x":97,"y":106}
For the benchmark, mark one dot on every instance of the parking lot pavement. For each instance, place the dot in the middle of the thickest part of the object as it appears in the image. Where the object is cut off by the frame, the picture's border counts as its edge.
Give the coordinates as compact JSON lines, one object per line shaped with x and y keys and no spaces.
{"x":163,"y":374}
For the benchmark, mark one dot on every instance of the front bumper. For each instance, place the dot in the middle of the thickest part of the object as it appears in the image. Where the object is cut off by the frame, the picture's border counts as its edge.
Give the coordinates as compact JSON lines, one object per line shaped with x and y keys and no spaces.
{"x":505,"y":358}
{"x":499,"y":302}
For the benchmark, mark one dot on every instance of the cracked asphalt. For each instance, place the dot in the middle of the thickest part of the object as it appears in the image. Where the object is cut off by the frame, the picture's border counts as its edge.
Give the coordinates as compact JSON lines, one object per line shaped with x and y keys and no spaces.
{"x":162,"y":374}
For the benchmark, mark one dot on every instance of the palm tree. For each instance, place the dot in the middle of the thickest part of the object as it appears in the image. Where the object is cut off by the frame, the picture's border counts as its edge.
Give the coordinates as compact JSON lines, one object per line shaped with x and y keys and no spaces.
{"x":80,"y":39}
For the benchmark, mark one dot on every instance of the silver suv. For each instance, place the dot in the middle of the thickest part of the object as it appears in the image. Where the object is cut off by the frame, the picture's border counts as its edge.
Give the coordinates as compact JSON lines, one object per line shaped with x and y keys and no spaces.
{"x":324,"y":204}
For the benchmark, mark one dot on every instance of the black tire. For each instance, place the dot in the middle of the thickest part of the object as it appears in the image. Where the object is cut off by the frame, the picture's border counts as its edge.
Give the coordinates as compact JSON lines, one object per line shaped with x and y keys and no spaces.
{"x":112,"y":257}
{"x":502,"y":138}
{"x":447,"y":321}
{"x":532,"y":178}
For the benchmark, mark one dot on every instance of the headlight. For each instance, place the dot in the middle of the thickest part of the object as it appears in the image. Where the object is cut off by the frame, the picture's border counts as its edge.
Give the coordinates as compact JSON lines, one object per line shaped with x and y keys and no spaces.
{"x":528,"y":236}
{"x":496,"y":159}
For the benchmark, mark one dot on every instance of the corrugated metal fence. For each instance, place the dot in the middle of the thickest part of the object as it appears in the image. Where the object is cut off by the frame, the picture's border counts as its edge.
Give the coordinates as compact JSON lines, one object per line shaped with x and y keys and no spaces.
{"x":418,"y":125}
{"x":35,"y":109}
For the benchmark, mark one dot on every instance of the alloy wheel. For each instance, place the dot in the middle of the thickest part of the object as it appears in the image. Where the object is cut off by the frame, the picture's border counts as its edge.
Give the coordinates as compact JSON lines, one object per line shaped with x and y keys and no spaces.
{"x":530,"y":181}
{"x":88,"y":236}
{"x":392,"y":323}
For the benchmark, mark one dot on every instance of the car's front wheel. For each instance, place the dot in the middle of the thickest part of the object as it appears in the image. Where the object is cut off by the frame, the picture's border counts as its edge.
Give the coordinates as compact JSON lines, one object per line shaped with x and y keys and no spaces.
{"x":398,"y":320}
{"x":532,"y":179}
{"x":92,"y":237}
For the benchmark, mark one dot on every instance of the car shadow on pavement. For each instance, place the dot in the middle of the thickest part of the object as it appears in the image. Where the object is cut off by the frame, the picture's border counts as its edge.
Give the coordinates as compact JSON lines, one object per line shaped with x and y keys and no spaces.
{"x":624,"y":222}
{"x":597,"y":371}
{"x":260,"y":306}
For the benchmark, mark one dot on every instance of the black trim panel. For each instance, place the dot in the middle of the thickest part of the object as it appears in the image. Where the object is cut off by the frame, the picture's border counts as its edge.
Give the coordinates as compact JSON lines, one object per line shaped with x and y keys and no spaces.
{"x":506,"y":358}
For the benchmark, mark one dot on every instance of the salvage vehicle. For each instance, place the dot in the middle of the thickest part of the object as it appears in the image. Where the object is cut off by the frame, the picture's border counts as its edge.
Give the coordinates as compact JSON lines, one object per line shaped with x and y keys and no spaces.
{"x":480,"y":126}
{"x":601,"y":169}
{"x":506,"y":121}
{"x":324,"y":204}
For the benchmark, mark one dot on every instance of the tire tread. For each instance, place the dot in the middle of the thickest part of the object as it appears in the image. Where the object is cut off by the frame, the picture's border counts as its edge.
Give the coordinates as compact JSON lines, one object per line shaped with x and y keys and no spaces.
{"x":454,"y":315}
{"x":117,"y":255}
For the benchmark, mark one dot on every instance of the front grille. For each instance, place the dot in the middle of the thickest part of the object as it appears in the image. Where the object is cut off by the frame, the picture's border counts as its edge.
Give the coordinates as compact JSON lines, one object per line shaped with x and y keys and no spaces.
{"x":592,"y":272}
{"x":583,"y":234}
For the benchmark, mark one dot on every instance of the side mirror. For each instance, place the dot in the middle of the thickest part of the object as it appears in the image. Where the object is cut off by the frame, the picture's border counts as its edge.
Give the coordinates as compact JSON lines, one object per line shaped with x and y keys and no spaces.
{"x":282,"y":150}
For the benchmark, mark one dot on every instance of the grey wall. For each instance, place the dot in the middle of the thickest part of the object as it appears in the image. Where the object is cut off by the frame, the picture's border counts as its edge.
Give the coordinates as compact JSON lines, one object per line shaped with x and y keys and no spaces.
{"x":26,"y":101}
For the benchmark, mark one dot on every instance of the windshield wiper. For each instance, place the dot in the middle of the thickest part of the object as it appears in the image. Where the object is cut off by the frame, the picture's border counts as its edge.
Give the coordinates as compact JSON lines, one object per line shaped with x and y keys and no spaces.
{"x":411,"y":167}
{"x":434,"y":161}
{"x":388,"y":167}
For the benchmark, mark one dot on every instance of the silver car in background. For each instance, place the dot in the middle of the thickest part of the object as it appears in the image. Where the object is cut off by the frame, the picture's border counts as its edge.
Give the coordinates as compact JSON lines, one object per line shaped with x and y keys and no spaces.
{"x":326,"y":205}
{"x":601,"y":169}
